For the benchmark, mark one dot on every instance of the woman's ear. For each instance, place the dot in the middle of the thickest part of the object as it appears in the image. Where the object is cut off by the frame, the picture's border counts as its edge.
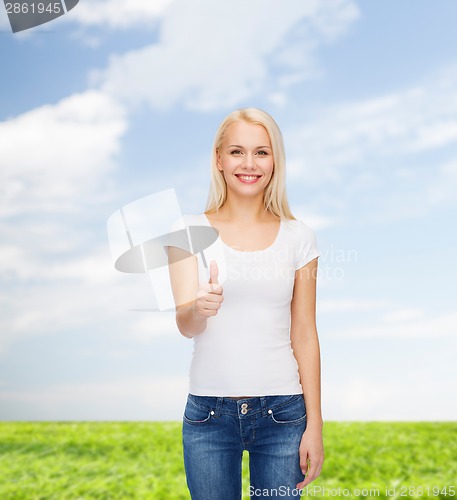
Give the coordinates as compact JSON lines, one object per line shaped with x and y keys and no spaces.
{"x":218,"y":160}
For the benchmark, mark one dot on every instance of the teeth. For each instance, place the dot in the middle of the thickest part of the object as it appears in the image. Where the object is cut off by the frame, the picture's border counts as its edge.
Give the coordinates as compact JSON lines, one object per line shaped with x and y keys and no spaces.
{"x":248,"y":177}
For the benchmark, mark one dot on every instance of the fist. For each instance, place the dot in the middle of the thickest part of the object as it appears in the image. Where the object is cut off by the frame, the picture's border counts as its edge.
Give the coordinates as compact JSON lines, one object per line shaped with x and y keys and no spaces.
{"x":209,"y":295}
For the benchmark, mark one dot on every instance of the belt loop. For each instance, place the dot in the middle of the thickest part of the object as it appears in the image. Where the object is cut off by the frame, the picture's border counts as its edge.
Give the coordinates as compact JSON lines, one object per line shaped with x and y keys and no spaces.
{"x":219,"y":405}
{"x":263,"y":404}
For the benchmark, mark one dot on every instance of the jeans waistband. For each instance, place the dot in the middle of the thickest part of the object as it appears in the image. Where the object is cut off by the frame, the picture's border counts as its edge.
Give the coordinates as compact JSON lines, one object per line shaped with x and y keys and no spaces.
{"x":245,"y":406}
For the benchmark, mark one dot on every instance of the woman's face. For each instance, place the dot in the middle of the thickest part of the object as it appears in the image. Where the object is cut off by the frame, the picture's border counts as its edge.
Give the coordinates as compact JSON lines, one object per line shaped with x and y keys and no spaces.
{"x":246,"y":159}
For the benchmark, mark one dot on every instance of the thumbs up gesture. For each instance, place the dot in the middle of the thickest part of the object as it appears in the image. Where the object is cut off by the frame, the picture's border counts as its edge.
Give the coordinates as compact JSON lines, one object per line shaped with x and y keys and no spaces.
{"x":213,"y":273}
{"x":209,"y":295}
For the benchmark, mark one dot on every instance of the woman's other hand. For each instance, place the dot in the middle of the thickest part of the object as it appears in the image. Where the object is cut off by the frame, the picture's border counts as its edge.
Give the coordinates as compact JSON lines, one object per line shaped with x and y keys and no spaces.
{"x":311,"y":455}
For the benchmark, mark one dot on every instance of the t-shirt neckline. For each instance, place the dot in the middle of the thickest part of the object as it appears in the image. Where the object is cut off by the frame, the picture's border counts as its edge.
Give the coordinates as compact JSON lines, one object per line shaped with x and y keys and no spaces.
{"x":281,"y":224}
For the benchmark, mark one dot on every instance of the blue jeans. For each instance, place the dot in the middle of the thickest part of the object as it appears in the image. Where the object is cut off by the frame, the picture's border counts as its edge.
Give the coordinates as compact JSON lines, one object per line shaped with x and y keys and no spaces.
{"x":215,"y":432}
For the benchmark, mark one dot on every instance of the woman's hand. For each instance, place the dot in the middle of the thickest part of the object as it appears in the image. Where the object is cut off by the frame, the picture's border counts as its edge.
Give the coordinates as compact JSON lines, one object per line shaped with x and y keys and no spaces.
{"x":311,"y":455}
{"x":209,"y":295}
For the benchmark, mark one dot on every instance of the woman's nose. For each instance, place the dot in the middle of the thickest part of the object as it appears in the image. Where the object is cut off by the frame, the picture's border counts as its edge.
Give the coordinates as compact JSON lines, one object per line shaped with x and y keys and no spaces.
{"x":249,"y":161}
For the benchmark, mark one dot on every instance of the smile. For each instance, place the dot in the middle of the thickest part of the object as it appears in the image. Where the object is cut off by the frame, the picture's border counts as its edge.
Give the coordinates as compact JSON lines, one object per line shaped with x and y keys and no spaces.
{"x":248,"y":179}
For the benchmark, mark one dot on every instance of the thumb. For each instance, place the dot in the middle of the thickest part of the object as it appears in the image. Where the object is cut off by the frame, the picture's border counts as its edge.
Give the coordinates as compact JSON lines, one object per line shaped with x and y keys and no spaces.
{"x":213,"y":273}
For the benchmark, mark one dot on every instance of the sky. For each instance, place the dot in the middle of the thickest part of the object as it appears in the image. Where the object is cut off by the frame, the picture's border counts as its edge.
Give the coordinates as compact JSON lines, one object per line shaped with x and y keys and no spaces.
{"x":118,"y":100}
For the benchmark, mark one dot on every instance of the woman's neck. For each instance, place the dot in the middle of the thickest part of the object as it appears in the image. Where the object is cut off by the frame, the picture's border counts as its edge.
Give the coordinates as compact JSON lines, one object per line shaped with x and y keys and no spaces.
{"x":247,"y":212}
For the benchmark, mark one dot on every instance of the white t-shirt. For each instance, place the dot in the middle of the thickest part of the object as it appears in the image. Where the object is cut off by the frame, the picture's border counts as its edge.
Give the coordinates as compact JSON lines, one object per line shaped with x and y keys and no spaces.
{"x":245,"y":349}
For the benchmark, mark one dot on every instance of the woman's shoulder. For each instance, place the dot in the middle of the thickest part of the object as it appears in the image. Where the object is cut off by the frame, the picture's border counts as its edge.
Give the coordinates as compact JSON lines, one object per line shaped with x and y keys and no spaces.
{"x":299,"y":227}
{"x":295,"y":224}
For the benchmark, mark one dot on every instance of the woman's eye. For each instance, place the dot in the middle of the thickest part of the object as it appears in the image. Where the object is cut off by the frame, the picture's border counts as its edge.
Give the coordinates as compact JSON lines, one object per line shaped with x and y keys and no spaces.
{"x":235,"y":152}
{"x":262,"y":152}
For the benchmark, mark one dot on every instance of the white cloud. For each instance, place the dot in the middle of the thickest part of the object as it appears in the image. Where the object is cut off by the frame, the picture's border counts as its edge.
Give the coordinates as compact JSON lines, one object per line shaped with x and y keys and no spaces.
{"x":62,"y":279}
{"x":214,"y":55}
{"x":357,"y":135}
{"x":148,"y":326}
{"x":54,"y":156}
{"x":140,"y":398}
{"x":68,"y":293}
{"x":350,"y":305}
{"x":403,"y":315}
{"x":155,"y":398}
{"x":358,"y":399}
{"x":51,"y":309}
{"x":399,"y":325}
{"x":48,"y":263}
{"x":450,"y":168}
{"x":378,"y":157}
{"x":443,"y":187}
{"x":118,"y":14}
{"x":55,"y":160}
{"x":312,"y":219}
{"x":79,"y":292}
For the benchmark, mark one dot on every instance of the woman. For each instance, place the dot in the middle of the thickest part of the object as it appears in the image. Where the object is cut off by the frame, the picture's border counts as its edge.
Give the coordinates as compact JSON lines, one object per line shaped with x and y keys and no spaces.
{"x":255,"y":372}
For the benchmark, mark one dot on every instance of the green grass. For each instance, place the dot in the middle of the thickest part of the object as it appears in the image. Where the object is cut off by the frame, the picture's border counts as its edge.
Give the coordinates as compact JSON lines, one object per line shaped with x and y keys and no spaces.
{"x":110,"y":460}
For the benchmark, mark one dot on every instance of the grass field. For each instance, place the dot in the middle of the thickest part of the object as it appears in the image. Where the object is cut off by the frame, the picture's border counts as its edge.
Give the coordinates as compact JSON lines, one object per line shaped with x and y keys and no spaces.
{"x":123,"y":460}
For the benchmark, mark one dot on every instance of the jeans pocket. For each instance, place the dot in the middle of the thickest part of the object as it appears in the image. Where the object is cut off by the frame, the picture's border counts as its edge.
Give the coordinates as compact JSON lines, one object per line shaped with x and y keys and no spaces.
{"x":291,"y":413}
{"x":194,"y":414}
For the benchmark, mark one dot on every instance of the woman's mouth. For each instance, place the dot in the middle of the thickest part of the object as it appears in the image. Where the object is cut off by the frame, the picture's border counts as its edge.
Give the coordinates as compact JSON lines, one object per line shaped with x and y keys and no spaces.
{"x":248,"y":179}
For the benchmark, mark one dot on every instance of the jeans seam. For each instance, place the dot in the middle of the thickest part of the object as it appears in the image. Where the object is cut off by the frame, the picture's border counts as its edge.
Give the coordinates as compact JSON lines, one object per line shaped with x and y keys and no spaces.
{"x":281,"y":405}
{"x":189,"y":421}
{"x":296,"y":421}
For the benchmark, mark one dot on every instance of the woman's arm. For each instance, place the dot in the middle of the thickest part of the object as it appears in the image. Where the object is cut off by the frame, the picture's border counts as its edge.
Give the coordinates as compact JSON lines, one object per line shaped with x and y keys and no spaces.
{"x":305,"y":345}
{"x":194,"y":302}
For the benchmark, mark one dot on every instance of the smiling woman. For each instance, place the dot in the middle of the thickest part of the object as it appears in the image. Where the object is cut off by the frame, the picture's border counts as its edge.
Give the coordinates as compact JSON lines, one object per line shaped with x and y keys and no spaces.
{"x":255,"y":371}
{"x":245,"y":157}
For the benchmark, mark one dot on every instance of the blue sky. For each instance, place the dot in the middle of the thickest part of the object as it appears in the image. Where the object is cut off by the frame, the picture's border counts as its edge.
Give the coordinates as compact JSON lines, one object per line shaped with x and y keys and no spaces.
{"x":115,"y":101}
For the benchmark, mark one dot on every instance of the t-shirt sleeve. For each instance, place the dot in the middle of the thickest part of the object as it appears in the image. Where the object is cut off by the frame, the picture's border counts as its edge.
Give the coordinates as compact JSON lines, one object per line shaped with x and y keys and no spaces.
{"x":307,"y":248}
{"x":175,"y":238}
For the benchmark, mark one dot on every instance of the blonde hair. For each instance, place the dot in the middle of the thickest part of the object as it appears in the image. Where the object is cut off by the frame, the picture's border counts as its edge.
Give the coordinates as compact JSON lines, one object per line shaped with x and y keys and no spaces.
{"x":275,"y":198}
